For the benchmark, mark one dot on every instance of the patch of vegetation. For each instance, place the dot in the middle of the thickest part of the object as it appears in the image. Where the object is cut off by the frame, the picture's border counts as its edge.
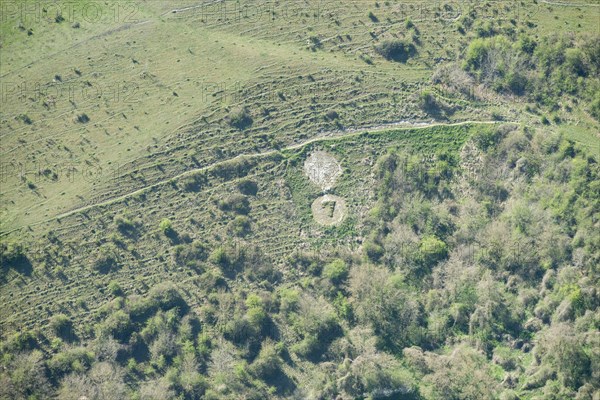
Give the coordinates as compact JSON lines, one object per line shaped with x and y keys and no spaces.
{"x":25,"y":119}
{"x":542,"y":70}
{"x":107,"y":259}
{"x":240,"y":226}
{"x":62,"y":327}
{"x":396,"y":50}
{"x":248,"y":187}
{"x":240,"y":118}
{"x":194,"y":182}
{"x":166,"y":227}
{"x":13,"y":255}
{"x":237,"y":203}
{"x":83,"y":118}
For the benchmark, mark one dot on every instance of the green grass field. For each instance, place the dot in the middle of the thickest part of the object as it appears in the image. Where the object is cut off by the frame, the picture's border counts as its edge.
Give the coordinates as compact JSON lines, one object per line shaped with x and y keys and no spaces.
{"x":149,"y":122}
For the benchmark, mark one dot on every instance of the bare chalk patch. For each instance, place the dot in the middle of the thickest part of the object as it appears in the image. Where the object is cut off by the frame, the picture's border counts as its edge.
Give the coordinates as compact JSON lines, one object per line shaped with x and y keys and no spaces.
{"x":322,"y":169}
{"x":329,"y":210}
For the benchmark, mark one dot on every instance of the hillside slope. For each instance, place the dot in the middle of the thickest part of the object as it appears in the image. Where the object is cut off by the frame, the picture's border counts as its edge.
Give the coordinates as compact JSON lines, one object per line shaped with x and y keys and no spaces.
{"x":305,"y":199}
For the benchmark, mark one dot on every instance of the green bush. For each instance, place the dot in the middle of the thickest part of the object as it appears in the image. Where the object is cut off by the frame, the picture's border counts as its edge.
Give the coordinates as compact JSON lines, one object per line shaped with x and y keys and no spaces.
{"x":107,"y":259}
{"x":396,"y":50}
{"x":526,"y":44}
{"x":516,"y":82}
{"x":220,"y":257}
{"x":114,"y":288}
{"x":476,"y":54}
{"x":308,"y":347}
{"x":432,"y":250}
{"x":62,"y":327}
{"x":240,"y":330}
{"x":288,"y":300}
{"x":464,"y":375}
{"x":22,"y":341}
{"x":190,"y":255}
{"x":25,"y":118}
{"x":72,"y":360}
{"x":160,"y":310}
{"x":125,"y":225}
{"x":485,"y":29}
{"x":427,"y":101}
{"x":248,"y":187}
{"x":240,"y":226}
{"x":314,"y":43}
{"x":25,"y":377}
{"x":486,"y":138}
{"x":336,"y":271}
{"x":166,"y":226}
{"x":317,"y":325}
{"x":11,"y":255}
{"x":83,"y":118}
{"x":268,"y":363}
{"x":373,"y":374}
{"x":234,"y":168}
{"x":11,"y":251}
{"x":240,"y":118}
{"x":166,"y":296}
{"x":595,"y":106}
{"x":544,"y":70}
{"x":193,"y":183}
{"x":192,"y":383}
{"x":383,"y":301}
{"x":563,"y":351}
{"x":256,"y":313}
{"x":373,"y":250}
{"x":118,"y":325}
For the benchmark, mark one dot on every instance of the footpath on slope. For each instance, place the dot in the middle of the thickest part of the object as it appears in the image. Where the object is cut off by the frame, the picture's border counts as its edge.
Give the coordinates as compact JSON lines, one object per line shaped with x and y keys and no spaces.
{"x":322,"y":137}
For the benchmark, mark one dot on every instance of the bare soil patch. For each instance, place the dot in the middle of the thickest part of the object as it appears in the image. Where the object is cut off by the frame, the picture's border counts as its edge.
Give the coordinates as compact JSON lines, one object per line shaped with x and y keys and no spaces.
{"x":322,"y":169}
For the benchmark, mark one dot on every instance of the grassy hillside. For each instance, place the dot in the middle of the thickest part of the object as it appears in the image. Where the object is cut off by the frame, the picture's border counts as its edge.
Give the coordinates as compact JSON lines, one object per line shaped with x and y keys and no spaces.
{"x":161,"y":238}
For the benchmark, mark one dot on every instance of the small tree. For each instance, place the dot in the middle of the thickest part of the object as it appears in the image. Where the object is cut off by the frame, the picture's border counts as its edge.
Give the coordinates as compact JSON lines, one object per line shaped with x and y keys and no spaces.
{"x":25,"y":376}
{"x":125,"y":225}
{"x":166,"y":226}
{"x":167,"y":229}
{"x":476,"y":54}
